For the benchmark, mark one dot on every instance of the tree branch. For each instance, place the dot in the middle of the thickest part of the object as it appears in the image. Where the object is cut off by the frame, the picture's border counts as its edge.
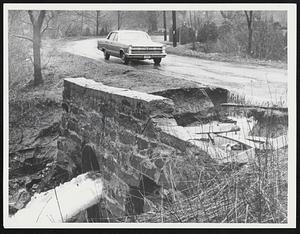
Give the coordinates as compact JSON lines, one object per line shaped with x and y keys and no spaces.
{"x":223,"y":15}
{"x":251,"y":16}
{"x":47,"y":23}
{"x":228,"y":14}
{"x":31,"y":17}
{"x":41,"y":18}
{"x":247,"y":17}
{"x":23,"y":37}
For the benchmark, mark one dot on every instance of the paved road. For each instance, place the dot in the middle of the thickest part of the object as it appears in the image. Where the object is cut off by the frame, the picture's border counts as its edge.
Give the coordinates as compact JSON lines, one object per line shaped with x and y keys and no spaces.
{"x":257,"y":83}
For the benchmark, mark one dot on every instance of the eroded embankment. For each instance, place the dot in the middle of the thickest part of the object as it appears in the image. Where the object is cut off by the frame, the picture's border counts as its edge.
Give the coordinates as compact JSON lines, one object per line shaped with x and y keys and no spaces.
{"x":195,"y":105}
{"x":146,"y":146}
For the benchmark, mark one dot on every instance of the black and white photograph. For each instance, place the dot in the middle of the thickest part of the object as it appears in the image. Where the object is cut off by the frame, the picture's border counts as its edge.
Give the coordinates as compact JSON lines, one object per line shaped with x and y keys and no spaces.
{"x":137,"y":115}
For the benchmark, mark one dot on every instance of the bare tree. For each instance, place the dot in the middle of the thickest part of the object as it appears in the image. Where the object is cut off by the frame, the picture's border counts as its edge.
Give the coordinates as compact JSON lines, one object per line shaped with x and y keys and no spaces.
{"x":174,"y":28}
{"x":82,"y":17}
{"x":228,"y":14}
{"x":191,"y":21}
{"x":97,"y":22}
{"x":193,"y":26}
{"x":152,"y":21}
{"x":249,"y":17}
{"x":37,"y":32}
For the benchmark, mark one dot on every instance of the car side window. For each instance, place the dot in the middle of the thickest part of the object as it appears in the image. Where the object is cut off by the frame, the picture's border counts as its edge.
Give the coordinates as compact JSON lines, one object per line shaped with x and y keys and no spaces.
{"x":116,"y":37}
{"x":111,"y":36}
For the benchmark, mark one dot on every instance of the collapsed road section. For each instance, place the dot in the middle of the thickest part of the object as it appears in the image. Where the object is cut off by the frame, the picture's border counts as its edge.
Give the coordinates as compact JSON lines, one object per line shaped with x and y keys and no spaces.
{"x":145,"y":146}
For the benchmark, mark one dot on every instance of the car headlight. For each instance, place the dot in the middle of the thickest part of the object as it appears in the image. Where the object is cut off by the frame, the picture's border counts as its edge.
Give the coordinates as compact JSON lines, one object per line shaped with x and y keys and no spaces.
{"x":129,"y":49}
{"x":164,"y":49}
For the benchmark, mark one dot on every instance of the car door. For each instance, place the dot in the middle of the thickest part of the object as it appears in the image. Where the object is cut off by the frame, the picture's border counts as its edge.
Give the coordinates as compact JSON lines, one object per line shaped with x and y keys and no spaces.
{"x":115,"y":48}
{"x":109,"y":42}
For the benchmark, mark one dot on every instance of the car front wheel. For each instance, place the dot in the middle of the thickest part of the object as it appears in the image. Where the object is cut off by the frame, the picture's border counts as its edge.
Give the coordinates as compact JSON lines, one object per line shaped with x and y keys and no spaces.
{"x":157,"y":61}
{"x":124,"y":58}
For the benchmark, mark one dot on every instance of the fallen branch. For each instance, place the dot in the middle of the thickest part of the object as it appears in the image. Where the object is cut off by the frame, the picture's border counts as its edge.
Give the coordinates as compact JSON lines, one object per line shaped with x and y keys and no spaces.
{"x":242,"y":141}
{"x":233,"y":129}
{"x":284,"y":109}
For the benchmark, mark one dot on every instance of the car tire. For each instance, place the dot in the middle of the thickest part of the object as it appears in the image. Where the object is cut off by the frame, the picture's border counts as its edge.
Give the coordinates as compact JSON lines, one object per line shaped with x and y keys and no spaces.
{"x":124,"y":58}
{"x":106,"y":55}
{"x":157,"y":61}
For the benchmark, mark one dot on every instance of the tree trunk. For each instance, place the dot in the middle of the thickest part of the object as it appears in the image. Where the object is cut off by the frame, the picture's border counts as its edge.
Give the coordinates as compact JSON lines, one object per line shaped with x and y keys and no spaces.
{"x":81,"y":23}
{"x":249,"y":49}
{"x":37,"y":57}
{"x":36,"y":44}
{"x":174,"y":29}
{"x":193,"y":30}
{"x":97,"y":23}
{"x":195,"y":20}
{"x":249,"y":18}
{"x":165,"y":26}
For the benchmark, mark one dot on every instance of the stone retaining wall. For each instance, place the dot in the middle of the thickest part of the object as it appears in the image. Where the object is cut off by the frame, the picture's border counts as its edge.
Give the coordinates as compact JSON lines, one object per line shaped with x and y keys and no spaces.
{"x":123,"y":126}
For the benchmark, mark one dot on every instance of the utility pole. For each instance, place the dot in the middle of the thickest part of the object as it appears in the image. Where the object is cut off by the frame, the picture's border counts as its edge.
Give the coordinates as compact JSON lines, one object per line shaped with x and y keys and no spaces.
{"x":165,"y":26}
{"x":174,"y":29}
{"x":97,"y":23}
{"x":118,"y":20}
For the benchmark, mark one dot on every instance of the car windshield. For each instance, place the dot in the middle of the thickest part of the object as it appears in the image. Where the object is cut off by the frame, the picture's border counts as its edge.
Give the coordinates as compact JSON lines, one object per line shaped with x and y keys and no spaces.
{"x":131,"y":37}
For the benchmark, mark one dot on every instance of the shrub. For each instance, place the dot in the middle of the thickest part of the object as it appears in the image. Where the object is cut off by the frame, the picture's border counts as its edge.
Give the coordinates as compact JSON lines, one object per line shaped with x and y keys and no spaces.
{"x":187,"y":35}
{"x":227,"y":42}
{"x":87,"y":31}
{"x":73,"y":31}
{"x":103,"y":32}
{"x":269,"y":42}
{"x":208,"y":33}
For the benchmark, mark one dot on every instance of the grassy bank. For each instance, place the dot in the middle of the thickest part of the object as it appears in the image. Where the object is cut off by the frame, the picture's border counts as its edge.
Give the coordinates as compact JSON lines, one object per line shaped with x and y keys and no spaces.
{"x":186,"y":50}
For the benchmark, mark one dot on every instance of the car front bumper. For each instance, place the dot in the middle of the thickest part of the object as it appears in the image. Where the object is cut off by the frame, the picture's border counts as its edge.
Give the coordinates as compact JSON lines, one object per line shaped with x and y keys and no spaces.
{"x":145,"y":56}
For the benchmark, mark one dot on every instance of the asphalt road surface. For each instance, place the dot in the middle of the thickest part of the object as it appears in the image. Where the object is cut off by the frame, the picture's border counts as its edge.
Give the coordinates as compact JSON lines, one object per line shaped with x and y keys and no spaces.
{"x":258,"y":84}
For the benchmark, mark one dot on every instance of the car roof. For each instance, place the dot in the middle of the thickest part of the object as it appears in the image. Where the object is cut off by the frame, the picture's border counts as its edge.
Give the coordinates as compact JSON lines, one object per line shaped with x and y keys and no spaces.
{"x":128,"y":31}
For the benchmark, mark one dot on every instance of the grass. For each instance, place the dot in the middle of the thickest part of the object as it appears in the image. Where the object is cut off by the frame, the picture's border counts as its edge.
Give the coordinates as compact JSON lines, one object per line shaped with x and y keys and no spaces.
{"x":186,"y":50}
{"x":251,"y":193}
{"x":244,"y":99}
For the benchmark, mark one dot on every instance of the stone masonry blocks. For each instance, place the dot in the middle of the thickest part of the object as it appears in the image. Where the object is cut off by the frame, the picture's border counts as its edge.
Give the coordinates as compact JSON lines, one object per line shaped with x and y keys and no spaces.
{"x":122,"y":124}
